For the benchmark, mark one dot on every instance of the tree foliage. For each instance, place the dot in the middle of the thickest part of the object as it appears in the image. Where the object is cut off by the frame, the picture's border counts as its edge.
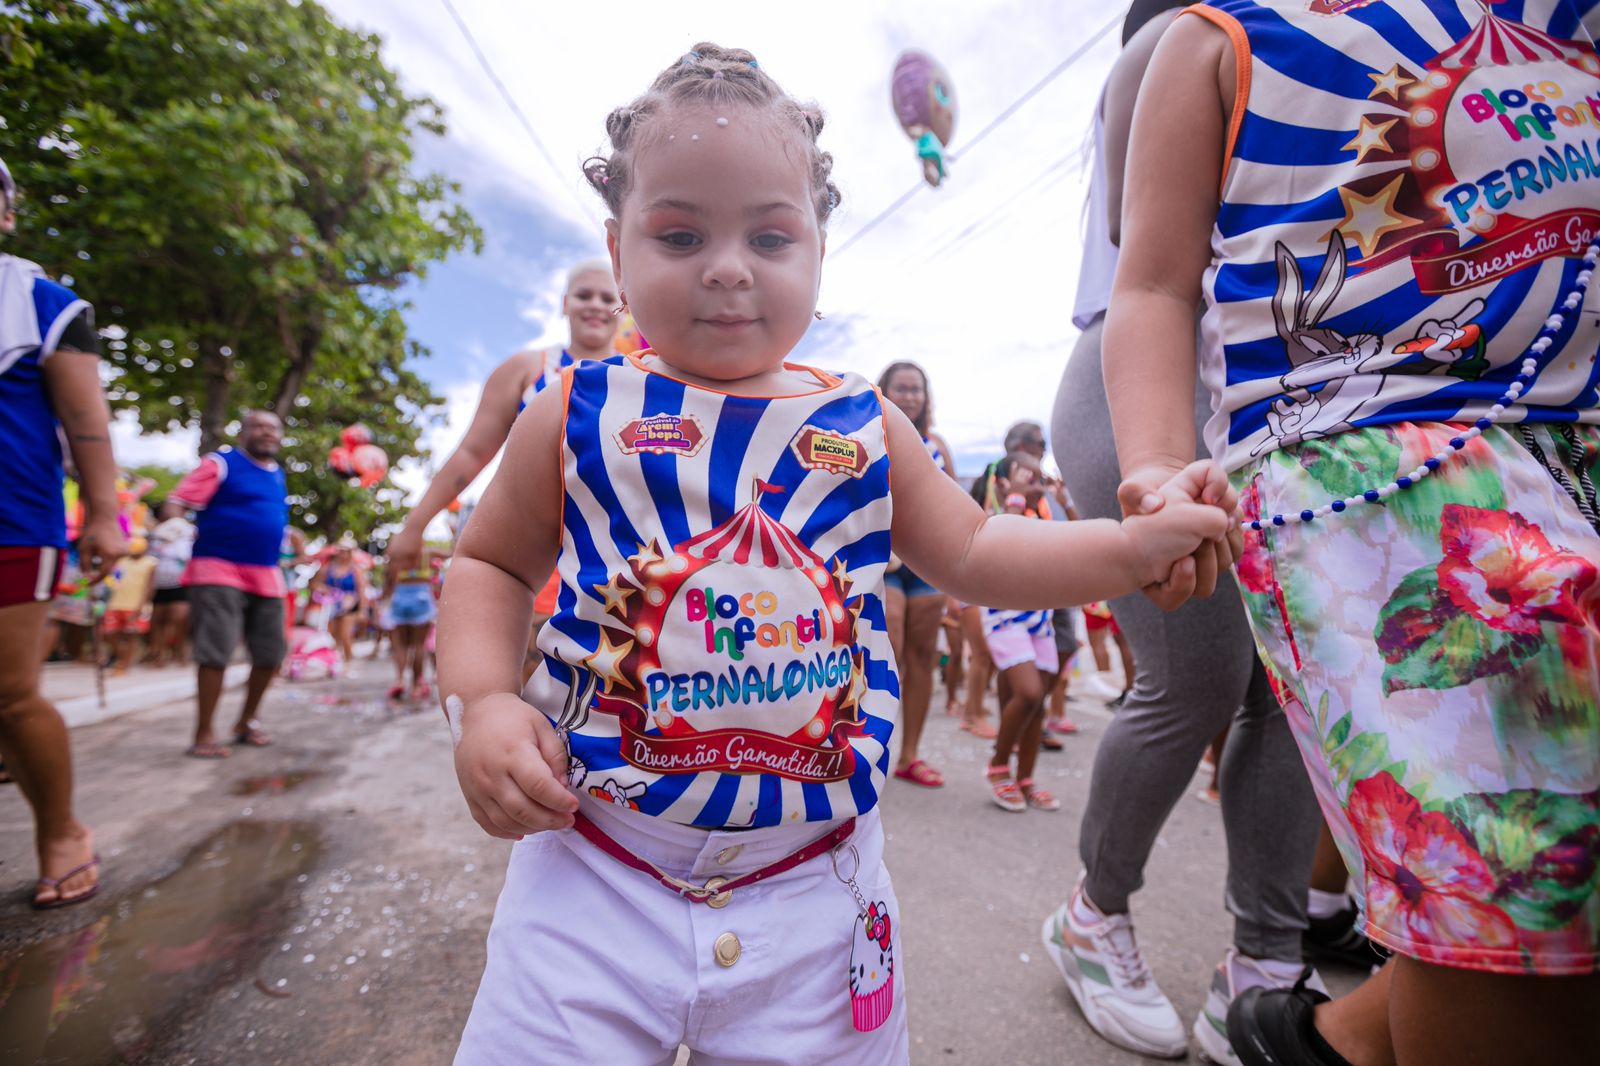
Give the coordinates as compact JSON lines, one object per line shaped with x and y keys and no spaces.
{"x":231,"y":182}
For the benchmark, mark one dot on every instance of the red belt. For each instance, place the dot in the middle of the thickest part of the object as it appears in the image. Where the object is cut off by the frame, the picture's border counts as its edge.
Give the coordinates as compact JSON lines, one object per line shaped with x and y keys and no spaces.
{"x":716,"y":891}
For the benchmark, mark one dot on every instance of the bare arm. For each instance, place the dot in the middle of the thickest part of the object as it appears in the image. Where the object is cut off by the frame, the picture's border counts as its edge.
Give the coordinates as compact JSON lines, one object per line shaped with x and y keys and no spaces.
{"x":1023,"y":563}
{"x":1149,"y":335}
{"x":72,"y":379}
{"x":491,"y":423}
{"x":509,"y":760}
{"x":1122,"y":91}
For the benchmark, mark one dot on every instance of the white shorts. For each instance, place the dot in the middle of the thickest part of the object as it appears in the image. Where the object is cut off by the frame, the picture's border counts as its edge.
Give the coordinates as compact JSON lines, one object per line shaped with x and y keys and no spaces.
{"x":1013,"y":645}
{"x":593,"y":962}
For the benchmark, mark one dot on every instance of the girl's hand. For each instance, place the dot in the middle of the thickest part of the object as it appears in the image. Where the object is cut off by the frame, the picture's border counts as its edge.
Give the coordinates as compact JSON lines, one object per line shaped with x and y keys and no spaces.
{"x":512,"y":767}
{"x":1150,"y":488}
{"x":404,"y":551}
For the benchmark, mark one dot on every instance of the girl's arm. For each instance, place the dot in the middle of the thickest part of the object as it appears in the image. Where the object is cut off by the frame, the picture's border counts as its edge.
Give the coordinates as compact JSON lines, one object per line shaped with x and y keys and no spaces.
{"x":1166,"y":247}
{"x":497,"y":411}
{"x":510,"y":762}
{"x":1027,"y":564}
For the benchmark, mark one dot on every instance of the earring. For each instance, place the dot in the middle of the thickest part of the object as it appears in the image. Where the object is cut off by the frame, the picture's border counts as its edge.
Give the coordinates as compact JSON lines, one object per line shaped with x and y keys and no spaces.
{"x":818,"y":314}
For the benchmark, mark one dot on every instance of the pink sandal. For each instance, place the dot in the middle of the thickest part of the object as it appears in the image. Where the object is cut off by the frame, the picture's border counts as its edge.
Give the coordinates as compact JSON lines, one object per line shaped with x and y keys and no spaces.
{"x":1004,"y":790}
{"x":920,"y":773}
{"x":1040,"y":799}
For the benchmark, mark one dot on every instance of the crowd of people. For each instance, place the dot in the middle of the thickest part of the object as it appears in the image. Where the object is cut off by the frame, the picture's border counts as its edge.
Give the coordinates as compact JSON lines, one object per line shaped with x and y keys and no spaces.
{"x":694,"y":628}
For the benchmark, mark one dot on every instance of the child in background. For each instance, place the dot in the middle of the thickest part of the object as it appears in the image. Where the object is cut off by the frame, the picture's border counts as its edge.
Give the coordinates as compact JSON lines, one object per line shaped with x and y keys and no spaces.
{"x":1023,"y":647}
{"x":128,"y":611}
{"x":706,"y":734}
{"x":172,"y":544}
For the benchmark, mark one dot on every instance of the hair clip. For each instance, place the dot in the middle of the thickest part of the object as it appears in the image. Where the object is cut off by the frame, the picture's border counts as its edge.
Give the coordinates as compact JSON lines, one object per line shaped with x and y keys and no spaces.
{"x":754,"y":65}
{"x":690,"y":58}
{"x":718,"y":75}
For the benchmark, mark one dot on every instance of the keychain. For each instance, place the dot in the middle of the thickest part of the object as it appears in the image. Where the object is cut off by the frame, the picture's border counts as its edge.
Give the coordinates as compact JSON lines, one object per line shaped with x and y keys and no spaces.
{"x":871,"y":953}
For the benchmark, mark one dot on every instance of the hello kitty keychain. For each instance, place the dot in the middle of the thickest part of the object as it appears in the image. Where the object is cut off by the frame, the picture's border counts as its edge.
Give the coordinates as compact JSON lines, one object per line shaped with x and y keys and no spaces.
{"x":871,"y":953}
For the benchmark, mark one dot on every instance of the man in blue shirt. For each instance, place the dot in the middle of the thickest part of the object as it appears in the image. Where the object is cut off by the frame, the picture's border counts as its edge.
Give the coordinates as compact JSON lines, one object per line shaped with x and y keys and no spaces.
{"x":49,"y":388}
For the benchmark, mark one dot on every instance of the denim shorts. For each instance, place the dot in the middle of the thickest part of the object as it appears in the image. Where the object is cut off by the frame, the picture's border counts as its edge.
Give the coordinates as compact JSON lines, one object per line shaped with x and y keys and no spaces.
{"x":413,"y":605}
{"x":908,"y":583}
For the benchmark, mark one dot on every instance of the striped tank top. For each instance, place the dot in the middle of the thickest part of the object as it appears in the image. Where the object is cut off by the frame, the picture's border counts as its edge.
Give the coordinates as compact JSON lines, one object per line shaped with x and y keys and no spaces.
{"x":1408,"y":187}
{"x":719,"y":655}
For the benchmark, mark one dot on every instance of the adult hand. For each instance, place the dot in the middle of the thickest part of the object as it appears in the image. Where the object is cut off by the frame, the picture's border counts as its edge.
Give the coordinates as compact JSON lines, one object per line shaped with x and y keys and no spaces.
{"x":405,"y":550}
{"x":512,"y":768}
{"x":100,"y":545}
{"x":1148,"y":489}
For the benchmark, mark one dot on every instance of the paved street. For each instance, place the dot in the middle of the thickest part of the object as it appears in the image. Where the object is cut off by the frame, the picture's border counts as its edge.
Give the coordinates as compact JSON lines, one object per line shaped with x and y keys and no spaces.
{"x":325,"y":900}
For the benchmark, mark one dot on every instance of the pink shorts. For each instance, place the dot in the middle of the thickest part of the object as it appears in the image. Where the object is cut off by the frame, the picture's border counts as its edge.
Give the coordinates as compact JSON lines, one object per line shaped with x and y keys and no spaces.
{"x":1013,"y":645}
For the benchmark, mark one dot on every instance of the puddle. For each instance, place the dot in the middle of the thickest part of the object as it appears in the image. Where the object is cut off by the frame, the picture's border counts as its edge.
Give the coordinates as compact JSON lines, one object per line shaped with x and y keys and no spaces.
{"x":109,"y":991}
{"x":274,"y":784}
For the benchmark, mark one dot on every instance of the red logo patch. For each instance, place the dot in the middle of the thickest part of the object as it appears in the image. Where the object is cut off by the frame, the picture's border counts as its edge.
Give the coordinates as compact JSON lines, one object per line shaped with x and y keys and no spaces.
{"x":1336,"y":7}
{"x":660,"y":434}
{"x":821,"y":449}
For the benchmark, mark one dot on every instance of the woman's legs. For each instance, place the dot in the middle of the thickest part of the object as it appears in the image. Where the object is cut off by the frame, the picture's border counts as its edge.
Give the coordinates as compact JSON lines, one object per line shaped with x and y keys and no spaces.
{"x":915,"y":657}
{"x":34,"y":745}
{"x":979,"y":669}
{"x":341,"y":628}
{"x":955,"y":666}
{"x":400,"y":654}
{"x":415,"y":638}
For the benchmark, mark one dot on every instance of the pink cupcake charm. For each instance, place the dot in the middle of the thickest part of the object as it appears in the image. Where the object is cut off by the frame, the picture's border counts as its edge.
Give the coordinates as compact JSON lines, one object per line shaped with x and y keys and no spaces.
{"x":872,"y":969}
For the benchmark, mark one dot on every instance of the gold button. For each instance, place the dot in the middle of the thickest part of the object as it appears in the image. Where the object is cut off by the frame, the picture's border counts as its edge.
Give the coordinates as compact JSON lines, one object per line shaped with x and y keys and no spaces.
{"x":727,"y":855}
{"x":726,"y":949}
{"x":721,"y":899}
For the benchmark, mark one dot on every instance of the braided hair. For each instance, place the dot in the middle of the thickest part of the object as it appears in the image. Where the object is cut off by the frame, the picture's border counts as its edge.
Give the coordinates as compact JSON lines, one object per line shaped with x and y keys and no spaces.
{"x":707,"y":74}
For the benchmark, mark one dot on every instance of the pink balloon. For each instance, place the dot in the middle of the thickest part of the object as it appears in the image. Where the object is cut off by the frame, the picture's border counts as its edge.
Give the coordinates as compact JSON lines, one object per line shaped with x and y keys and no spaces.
{"x":371,"y":463}
{"x":355,"y":436}
{"x":339,"y":460}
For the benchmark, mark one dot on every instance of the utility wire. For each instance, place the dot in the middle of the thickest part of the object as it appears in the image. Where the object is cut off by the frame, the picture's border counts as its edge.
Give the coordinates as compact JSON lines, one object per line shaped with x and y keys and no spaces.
{"x":994,"y":124}
{"x":505,"y":94}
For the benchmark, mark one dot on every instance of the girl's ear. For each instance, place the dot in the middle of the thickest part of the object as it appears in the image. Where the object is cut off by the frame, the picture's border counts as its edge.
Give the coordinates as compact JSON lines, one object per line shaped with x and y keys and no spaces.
{"x":614,"y":247}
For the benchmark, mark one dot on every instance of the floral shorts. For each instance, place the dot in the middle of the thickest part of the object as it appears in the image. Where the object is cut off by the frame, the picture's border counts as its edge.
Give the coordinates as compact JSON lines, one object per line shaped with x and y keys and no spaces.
{"x":1438,"y":660}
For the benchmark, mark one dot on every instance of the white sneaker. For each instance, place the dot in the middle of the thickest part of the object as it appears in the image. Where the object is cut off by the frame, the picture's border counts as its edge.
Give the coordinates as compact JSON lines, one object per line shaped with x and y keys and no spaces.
{"x":1108,"y":977}
{"x":1232,"y":976}
{"x":1098,"y":687}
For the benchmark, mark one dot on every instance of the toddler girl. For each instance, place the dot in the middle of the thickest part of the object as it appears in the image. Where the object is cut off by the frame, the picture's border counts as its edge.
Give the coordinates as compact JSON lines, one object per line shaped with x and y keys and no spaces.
{"x":707,"y":732}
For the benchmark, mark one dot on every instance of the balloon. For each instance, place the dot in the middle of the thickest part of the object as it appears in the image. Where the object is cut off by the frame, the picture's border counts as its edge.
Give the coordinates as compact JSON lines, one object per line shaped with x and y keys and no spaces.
{"x":339,"y":460}
{"x":925,"y":103}
{"x":454,"y":506}
{"x":629,"y":339}
{"x":355,"y":436}
{"x":371,"y":463}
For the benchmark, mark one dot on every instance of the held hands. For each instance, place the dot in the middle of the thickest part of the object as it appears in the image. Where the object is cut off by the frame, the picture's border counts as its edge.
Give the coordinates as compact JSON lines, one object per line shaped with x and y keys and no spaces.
{"x":512,"y":767}
{"x":1198,"y":529}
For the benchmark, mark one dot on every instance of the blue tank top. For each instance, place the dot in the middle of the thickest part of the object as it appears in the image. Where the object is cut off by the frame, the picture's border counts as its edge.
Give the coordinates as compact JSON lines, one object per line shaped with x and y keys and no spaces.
{"x":1409,"y":186}
{"x":35,"y":513}
{"x":719,"y":656}
{"x":245,"y":521}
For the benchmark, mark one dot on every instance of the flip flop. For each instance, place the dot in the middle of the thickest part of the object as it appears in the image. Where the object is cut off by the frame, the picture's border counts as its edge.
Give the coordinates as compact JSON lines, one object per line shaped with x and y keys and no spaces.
{"x":55,"y":883}
{"x":208,"y":751}
{"x":920,"y":773}
{"x":1051,"y":743}
{"x":252,"y":736}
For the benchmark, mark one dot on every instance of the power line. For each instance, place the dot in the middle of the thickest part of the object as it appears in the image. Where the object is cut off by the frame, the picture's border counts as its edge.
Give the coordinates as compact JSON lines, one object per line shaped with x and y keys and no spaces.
{"x":994,"y":124}
{"x":505,"y":94}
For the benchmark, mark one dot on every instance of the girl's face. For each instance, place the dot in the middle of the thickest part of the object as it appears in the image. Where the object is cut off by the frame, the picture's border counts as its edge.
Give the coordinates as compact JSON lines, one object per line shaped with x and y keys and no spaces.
{"x":906,"y":391}
{"x":588,"y":305}
{"x":718,"y":246}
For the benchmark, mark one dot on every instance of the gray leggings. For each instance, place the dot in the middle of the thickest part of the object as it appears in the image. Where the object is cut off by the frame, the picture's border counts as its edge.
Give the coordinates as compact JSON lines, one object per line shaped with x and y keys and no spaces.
{"x":1196,"y":670}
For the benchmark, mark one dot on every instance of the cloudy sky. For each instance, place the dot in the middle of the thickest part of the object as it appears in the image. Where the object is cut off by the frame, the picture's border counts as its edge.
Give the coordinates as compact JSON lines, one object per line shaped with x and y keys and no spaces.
{"x":974,"y":280}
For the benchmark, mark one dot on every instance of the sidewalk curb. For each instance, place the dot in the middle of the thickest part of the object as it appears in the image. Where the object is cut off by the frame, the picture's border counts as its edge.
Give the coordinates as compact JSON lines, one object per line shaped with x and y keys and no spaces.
{"x":86,"y":710}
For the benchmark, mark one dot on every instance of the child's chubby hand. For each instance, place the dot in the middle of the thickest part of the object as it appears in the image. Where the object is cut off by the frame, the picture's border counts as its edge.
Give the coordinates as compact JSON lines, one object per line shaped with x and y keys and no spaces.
{"x":1189,"y":523}
{"x":512,"y":767}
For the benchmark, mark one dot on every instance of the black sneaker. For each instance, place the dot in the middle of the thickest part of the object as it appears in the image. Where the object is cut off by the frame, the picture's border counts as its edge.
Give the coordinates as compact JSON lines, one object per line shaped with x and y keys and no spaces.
{"x":1336,"y":939}
{"x":1273,"y":1027}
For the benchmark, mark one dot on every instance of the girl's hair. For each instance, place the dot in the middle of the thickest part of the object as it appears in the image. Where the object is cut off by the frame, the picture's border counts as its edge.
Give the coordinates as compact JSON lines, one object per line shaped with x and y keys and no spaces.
{"x":708,"y":74}
{"x":924,"y":420}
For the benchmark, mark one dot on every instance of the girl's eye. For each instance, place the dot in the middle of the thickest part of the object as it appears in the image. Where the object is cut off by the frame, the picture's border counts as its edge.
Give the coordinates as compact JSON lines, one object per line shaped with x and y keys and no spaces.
{"x":679,"y":240}
{"x":771,"y":242}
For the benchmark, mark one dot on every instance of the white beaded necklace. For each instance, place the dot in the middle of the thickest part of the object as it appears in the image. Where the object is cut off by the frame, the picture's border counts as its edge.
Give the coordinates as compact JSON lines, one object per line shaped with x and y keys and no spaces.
{"x":1519,"y":384}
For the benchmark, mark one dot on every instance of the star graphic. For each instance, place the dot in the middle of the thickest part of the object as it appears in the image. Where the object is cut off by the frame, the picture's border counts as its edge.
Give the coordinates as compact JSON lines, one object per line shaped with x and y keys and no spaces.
{"x":649,"y":555}
{"x":1371,"y":137}
{"x":1389,"y":84}
{"x":850,"y":700}
{"x":841,"y":576}
{"x":605,"y":662}
{"x":615,"y":593}
{"x":1368,"y":218}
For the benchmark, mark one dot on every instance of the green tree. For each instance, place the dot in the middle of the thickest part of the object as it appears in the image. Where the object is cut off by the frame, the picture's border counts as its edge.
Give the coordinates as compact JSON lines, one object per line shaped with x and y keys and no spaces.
{"x":232,"y":183}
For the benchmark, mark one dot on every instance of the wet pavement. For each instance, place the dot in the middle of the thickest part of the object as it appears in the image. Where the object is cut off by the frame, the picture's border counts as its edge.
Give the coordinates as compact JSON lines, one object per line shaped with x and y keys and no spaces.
{"x":326,"y":899}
